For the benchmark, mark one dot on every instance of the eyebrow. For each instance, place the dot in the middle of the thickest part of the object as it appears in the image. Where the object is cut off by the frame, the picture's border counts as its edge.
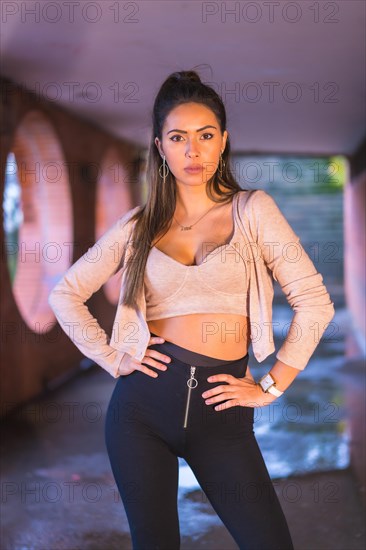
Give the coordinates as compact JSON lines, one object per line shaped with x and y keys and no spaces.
{"x":199,"y":129}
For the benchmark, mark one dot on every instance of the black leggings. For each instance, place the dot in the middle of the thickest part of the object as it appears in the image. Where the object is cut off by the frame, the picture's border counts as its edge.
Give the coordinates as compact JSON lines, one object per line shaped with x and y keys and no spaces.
{"x":152,"y":421}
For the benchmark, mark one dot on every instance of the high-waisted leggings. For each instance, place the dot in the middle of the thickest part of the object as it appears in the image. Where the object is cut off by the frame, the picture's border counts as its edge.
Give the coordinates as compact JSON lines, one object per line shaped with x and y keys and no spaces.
{"x":150,"y":422}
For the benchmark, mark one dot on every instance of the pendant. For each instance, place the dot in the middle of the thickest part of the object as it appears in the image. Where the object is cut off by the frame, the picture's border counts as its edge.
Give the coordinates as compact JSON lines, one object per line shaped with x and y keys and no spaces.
{"x":186,"y":228}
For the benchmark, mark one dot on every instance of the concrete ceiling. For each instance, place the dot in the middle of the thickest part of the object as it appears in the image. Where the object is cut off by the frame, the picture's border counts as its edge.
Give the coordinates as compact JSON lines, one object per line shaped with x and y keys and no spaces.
{"x":298,"y":68}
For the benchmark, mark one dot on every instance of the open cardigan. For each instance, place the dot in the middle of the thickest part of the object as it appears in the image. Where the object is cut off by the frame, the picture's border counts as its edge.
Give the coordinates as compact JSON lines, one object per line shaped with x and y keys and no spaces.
{"x":272,"y":250}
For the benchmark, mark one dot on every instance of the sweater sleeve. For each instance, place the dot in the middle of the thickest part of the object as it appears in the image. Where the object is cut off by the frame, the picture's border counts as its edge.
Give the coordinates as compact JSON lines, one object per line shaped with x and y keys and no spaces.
{"x":301,"y":283}
{"x":85,"y":277}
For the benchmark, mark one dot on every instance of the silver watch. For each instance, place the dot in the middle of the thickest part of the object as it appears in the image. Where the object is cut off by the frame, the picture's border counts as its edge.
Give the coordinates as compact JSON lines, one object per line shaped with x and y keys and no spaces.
{"x":268,"y":385}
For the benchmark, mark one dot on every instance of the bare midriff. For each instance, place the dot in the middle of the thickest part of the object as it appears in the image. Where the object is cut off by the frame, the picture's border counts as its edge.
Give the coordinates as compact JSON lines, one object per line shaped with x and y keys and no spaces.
{"x":220,"y":335}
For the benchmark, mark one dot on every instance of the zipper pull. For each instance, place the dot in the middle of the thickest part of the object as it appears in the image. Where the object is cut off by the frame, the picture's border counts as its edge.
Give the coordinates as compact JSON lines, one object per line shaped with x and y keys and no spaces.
{"x":192,"y":382}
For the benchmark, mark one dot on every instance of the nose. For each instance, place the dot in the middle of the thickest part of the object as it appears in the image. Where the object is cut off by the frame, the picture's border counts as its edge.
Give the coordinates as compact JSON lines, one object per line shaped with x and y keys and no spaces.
{"x":192,"y":149}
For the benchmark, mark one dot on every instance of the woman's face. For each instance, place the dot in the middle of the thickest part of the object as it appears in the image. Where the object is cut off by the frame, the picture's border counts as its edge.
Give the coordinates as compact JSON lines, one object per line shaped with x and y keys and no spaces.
{"x":191,"y":136}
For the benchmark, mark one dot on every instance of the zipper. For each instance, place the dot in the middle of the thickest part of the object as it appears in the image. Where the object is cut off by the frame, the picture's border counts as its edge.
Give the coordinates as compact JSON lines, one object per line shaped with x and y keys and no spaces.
{"x":192,"y":382}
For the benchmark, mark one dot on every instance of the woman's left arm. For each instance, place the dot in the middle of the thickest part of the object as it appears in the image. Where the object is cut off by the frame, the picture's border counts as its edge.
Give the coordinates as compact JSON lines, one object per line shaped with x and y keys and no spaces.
{"x":301,"y":283}
{"x":307,"y":295}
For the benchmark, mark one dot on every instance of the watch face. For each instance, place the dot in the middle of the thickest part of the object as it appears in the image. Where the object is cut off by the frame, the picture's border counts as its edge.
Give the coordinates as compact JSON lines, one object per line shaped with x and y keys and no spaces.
{"x":266,"y":382}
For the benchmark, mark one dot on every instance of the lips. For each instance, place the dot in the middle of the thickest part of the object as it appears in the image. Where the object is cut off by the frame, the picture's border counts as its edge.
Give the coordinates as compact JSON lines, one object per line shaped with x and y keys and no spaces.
{"x":194,"y":168}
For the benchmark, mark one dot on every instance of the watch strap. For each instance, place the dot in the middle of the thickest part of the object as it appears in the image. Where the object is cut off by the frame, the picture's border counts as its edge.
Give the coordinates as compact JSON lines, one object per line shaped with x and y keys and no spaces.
{"x":274,"y":391}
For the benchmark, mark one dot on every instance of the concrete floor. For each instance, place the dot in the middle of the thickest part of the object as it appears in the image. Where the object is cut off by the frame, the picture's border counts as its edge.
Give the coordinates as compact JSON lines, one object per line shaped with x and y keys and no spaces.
{"x":58,"y":491}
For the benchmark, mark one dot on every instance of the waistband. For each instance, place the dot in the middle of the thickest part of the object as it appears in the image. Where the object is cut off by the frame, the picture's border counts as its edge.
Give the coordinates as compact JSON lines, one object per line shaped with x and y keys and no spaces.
{"x":193,"y":358}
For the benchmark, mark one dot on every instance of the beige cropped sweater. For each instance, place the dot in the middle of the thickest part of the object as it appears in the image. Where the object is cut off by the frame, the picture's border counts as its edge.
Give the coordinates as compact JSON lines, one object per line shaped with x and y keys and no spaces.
{"x":272,"y":251}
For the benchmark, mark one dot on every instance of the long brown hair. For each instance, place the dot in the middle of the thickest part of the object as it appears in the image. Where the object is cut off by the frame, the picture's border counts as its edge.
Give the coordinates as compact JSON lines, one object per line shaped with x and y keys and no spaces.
{"x":156,"y":215}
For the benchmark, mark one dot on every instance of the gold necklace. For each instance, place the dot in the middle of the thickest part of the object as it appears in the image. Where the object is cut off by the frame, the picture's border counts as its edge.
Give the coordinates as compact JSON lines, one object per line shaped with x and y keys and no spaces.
{"x":188,"y":227}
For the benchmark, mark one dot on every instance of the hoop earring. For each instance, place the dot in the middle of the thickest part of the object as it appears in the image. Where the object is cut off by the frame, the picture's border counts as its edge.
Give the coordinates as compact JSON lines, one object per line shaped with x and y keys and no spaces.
{"x":165,"y":168}
{"x":221,"y":165}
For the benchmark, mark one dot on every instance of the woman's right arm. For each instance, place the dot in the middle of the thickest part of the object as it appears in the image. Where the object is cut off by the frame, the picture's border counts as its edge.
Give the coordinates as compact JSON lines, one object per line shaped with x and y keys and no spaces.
{"x":85,"y":277}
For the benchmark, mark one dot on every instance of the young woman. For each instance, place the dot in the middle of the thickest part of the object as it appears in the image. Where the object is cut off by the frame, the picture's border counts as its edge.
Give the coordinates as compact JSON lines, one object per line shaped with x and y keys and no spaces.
{"x":197,"y":262}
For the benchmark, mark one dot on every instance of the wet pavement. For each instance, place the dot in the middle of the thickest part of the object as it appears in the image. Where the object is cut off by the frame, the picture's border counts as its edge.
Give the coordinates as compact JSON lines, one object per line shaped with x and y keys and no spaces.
{"x":58,"y":491}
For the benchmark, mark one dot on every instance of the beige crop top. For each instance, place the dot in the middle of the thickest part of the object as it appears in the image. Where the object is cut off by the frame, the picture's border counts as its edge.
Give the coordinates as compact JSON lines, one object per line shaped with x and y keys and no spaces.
{"x":272,"y":251}
{"x":217,"y":285}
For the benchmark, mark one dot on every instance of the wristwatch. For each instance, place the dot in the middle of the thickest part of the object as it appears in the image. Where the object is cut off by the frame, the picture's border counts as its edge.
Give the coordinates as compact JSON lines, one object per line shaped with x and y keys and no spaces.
{"x":268,"y":385}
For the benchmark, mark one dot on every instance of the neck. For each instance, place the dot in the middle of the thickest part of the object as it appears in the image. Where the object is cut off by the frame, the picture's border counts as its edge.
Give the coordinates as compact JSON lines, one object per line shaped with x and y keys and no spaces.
{"x":192,"y":201}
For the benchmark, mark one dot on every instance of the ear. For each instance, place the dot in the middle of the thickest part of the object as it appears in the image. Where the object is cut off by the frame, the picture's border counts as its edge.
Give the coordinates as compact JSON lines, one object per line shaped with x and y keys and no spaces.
{"x":225,"y":135}
{"x":158,"y":145}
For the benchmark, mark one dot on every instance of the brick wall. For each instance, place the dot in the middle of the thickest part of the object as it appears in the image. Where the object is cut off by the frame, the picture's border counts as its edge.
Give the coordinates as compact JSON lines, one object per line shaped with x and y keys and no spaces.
{"x":35,"y":352}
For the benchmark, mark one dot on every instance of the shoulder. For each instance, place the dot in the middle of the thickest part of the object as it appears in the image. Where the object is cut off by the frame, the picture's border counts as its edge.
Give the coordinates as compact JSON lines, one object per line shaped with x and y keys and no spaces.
{"x":128,"y":219}
{"x":121,"y":228}
{"x":257,"y":194}
{"x":255,"y":200}
{"x":259,"y":212}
